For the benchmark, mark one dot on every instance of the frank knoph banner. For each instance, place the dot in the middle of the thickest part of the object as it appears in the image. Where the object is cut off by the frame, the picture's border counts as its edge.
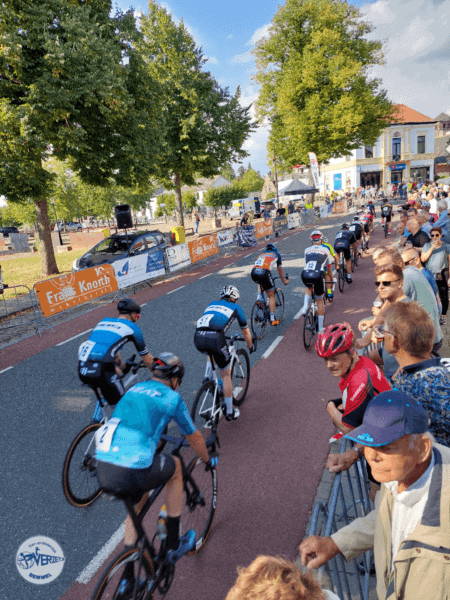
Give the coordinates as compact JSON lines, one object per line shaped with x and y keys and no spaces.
{"x":178,"y":257}
{"x":139,"y":268}
{"x":246,"y":236}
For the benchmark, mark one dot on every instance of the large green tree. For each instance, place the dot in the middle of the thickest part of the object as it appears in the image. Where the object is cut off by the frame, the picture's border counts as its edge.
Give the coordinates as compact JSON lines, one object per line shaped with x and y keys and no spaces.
{"x":316,"y":89}
{"x":252,"y":181}
{"x":206,"y":125}
{"x":72,"y":86}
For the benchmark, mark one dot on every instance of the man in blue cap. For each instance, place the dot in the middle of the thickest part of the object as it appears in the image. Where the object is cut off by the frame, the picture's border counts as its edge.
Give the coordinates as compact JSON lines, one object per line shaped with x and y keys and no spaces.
{"x":409,"y":529}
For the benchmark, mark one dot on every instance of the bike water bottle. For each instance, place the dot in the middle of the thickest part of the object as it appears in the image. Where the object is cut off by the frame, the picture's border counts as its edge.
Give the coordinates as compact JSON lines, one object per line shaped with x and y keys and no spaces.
{"x":98,"y":413}
{"x":259,"y":296}
{"x":220,"y":384}
{"x":161,"y":530}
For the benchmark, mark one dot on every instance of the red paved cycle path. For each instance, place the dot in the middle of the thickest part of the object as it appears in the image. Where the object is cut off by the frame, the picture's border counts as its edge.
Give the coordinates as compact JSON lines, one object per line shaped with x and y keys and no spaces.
{"x":271,"y":459}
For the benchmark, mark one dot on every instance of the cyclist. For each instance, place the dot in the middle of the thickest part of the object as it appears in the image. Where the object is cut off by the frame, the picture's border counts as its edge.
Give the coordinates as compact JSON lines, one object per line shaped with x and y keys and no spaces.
{"x":344,"y":239}
{"x":357,"y":228}
{"x":334,"y":255}
{"x":210,"y":339}
{"x":261,"y":274}
{"x":386,"y":213}
{"x":367,"y":220}
{"x":128,"y":461}
{"x":318,"y":263}
{"x":99,"y":362}
{"x":371,"y":209}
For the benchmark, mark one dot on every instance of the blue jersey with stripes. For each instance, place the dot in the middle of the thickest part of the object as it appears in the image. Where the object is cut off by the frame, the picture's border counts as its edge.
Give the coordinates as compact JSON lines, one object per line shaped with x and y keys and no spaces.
{"x":219,"y":316}
{"x":130,"y":438}
{"x":110,"y":335}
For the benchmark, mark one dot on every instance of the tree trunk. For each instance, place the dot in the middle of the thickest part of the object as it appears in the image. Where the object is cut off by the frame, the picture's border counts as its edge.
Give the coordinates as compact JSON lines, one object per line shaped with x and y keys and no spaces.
{"x":178,"y":203}
{"x":49,"y":266}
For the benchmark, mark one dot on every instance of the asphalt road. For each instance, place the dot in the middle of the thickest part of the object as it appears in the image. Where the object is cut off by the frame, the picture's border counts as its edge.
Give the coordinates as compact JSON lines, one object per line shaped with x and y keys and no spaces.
{"x":281,"y":431}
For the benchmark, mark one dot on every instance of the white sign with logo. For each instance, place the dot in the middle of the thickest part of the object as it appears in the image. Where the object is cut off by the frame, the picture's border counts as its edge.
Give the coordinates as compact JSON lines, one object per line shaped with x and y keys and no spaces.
{"x":293,"y":221}
{"x":226,"y":238}
{"x":40,"y":560}
{"x":139,"y":268}
{"x":324,"y":212}
{"x":178,"y":257}
{"x":314,"y":168}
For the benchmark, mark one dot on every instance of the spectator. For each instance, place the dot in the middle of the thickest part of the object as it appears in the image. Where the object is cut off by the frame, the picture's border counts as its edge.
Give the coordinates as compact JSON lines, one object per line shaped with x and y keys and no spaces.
{"x":417,"y":238}
{"x":424,"y":221}
{"x":244,"y":220}
{"x":266,"y":213}
{"x":435,"y":256}
{"x":251,"y":216}
{"x":443,"y":218}
{"x":196,"y":221}
{"x":433,"y":205}
{"x":291,"y":207}
{"x":410,"y":525}
{"x":411,"y":257}
{"x":275,"y":578}
{"x":281,"y":211}
{"x":408,"y":334}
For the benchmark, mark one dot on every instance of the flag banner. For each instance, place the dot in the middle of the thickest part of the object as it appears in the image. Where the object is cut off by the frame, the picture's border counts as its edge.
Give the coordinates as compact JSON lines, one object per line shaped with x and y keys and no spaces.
{"x":246,"y":236}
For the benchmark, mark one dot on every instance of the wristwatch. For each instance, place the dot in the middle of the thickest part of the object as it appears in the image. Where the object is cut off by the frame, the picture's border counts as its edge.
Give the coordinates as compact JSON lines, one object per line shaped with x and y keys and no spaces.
{"x":360,"y":454}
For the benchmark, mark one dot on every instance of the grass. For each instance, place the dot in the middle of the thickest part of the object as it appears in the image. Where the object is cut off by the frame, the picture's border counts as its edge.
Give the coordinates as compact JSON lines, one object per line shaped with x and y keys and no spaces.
{"x":27,"y":271}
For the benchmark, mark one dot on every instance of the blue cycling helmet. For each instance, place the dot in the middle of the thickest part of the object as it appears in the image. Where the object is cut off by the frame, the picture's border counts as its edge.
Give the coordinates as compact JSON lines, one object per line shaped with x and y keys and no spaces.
{"x":271,"y":247}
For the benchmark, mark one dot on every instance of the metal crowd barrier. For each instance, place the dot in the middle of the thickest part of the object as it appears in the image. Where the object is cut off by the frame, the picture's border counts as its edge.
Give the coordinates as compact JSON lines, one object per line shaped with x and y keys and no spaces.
{"x":20,"y":309}
{"x":349,"y":499}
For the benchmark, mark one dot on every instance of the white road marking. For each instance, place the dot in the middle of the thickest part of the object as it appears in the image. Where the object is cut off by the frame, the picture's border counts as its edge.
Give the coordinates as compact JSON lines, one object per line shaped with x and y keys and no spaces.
{"x":298,"y":315}
{"x":204,"y":276}
{"x":145,"y":303}
{"x":88,"y":572}
{"x":176,"y":290}
{"x":272,"y":347}
{"x":7,"y":369}
{"x":75,"y":337}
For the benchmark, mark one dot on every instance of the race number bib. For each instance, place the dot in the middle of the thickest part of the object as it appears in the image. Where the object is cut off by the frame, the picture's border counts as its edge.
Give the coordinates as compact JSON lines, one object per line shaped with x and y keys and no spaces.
{"x":204,"y":321}
{"x":311,"y":266}
{"x":339,"y":235}
{"x":260,"y":262}
{"x":85,"y":349}
{"x":104,"y":435}
{"x":352,"y":227}
{"x":386,"y":211}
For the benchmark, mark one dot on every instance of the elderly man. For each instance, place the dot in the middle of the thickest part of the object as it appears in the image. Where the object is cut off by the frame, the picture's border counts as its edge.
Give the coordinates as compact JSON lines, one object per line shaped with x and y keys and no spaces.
{"x":409,"y":529}
{"x":411,"y":257}
{"x":417,"y":238}
{"x":443,"y":218}
{"x":424,"y":221}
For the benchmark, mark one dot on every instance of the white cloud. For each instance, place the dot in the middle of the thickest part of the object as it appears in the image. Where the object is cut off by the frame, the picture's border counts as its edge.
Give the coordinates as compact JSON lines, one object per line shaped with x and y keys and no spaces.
{"x":212,"y":60}
{"x":243,"y":58}
{"x":262,"y":32}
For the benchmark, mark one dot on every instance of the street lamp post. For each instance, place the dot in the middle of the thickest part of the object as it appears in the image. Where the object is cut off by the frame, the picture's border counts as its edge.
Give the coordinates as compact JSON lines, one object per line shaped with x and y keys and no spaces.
{"x":56,"y":221}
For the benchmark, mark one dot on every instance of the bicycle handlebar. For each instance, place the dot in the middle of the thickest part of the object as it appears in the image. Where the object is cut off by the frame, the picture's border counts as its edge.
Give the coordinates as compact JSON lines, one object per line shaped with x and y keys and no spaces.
{"x":235,"y":338}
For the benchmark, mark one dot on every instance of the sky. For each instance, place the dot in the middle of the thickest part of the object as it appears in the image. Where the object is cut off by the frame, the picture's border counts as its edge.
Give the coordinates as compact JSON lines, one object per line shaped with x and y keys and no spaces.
{"x":416,"y":34}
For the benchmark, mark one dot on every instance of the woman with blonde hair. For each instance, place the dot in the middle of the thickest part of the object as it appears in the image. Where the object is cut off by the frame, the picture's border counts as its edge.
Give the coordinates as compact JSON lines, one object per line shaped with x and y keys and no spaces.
{"x":276,"y":578}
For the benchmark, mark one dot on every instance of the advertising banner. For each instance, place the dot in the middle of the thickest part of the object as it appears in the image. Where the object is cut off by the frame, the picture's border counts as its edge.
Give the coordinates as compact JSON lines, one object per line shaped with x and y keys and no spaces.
{"x":324,"y":211}
{"x":246,"y":236}
{"x":66,"y":291}
{"x":263,"y":228}
{"x":280,"y":224}
{"x":314,"y":168}
{"x":139,"y":268}
{"x":178,"y":257}
{"x":338,"y":207}
{"x":293,"y":220}
{"x":226,"y":238}
{"x":203,"y":247}
{"x":337,"y":181}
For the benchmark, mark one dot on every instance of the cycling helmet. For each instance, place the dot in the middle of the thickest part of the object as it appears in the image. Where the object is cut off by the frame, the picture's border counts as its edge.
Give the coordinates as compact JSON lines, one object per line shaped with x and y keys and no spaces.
{"x":128,"y":306}
{"x":334,"y":339}
{"x":271,"y":247}
{"x":167,"y":365}
{"x":356,"y":218}
{"x":344,"y":226}
{"x":229,"y":291}
{"x":370,"y":202}
{"x":316,"y":236}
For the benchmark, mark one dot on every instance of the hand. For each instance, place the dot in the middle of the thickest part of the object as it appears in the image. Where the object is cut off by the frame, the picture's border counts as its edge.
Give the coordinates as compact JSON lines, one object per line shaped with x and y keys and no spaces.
{"x":129,"y":365}
{"x":254,"y":346}
{"x":315,"y":551}
{"x":365,"y":324}
{"x":341,"y":462}
{"x":213,"y":461}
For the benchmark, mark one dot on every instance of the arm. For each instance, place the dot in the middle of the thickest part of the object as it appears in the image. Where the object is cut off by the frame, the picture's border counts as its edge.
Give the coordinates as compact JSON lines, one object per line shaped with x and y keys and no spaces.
{"x":147,"y":359}
{"x":356,"y":538}
{"x":426,"y":254}
{"x":336,"y":417}
{"x":247,"y":337}
{"x":342,"y":462}
{"x":197,"y":443}
{"x":282,"y":277}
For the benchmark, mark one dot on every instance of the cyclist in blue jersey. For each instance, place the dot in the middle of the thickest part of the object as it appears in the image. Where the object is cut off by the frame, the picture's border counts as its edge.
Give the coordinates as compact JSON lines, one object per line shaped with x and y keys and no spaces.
{"x":129,"y":463}
{"x":99,"y":362}
{"x":261,"y":274}
{"x":210,"y":339}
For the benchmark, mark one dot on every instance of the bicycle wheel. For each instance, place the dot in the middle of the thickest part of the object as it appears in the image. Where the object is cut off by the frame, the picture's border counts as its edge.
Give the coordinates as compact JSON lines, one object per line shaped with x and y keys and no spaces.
{"x":279,"y":304}
{"x":341,"y":278}
{"x":206,"y":408}
{"x":385,"y":230}
{"x":108,"y":586}
{"x":240,"y":376}
{"x":79,"y":479}
{"x":259,"y":320}
{"x":198,"y":513}
{"x":356,"y":258}
{"x":309,"y":329}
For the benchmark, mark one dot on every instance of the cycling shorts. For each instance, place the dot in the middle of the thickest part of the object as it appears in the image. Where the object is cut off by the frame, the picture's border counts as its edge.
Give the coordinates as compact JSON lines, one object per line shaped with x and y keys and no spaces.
{"x":215,"y":344}
{"x":357,"y":234}
{"x":314,"y":281}
{"x":103,"y":377}
{"x":263,"y":277}
{"x":345,"y":250}
{"x":367,"y":227}
{"x":388,"y":218}
{"x":133,"y":483}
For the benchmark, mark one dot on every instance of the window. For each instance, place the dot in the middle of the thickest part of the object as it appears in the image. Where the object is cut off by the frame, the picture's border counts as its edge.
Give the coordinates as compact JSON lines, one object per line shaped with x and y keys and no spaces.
{"x":151,"y":241}
{"x":368,"y":151}
{"x":396,"y":148}
{"x":138,"y":247}
{"x":348,"y":158}
{"x":420,"y":144}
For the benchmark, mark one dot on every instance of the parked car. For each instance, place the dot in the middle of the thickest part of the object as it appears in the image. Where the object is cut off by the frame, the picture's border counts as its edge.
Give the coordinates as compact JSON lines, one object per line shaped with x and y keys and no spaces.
{"x":117,"y":247}
{"x":69,"y":227}
{"x":7,"y":230}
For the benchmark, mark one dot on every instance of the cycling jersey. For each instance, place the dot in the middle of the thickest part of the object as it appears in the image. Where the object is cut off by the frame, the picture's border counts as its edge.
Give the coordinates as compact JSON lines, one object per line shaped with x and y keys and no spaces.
{"x":370,"y":208}
{"x":317,"y":259}
{"x":386,"y":210}
{"x":330,"y":248}
{"x":356,"y":228}
{"x":108,"y":337}
{"x":130,"y":438}
{"x":344,"y":239}
{"x":267,"y":259}
{"x":220,"y":315}
{"x":367,"y":217}
{"x":363,"y":382}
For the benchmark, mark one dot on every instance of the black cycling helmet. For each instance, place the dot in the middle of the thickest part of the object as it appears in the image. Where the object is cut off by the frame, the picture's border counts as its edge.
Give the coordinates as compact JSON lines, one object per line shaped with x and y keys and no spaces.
{"x":167,"y":365}
{"x":344,"y":226}
{"x":128,"y":306}
{"x":271,"y":247}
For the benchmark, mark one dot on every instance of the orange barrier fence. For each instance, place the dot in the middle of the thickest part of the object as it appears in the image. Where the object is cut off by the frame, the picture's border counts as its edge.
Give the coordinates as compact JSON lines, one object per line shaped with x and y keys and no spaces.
{"x":203,"y":247}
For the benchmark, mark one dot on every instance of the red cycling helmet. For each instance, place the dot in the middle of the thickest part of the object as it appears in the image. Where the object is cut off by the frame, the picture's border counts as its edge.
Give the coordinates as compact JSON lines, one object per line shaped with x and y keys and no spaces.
{"x":334,"y":339}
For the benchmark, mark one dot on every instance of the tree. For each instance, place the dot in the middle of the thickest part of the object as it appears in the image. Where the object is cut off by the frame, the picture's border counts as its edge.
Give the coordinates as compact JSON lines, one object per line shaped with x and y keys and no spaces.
{"x":252,"y":181}
{"x":315,"y":85}
{"x":72,"y":86}
{"x":228,"y":172}
{"x":169,"y":205}
{"x":241,"y":171}
{"x":270,"y":195}
{"x":249,"y":167}
{"x":189,"y":200}
{"x":206,"y":125}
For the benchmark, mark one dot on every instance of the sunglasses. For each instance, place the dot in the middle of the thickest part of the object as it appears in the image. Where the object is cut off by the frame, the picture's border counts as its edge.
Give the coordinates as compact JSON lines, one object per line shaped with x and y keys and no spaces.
{"x":435,"y":235}
{"x":381,"y":331}
{"x":385,"y":283}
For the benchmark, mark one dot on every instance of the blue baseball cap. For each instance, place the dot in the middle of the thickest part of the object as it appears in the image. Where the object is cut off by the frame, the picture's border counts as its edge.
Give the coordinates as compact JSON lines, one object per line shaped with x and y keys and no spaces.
{"x":388,"y":417}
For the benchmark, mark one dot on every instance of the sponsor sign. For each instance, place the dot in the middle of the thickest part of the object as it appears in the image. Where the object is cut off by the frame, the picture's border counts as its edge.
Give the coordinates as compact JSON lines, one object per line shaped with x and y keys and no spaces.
{"x":40,"y":560}
{"x":60,"y":293}
{"x":139,"y":268}
{"x":280,"y":224}
{"x":203,"y":247}
{"x":338,"y":207}
{"x":263,"y":228}
{"x":398,"y":167}
{"x":293,"y":221}
{"x":314,"y":168}
{"x":324,"y":211}
{"x":246,"y":236}
{"x":307,"y":217}
{"x":178,"y":257}
{"x":337,"y":181}
{"x":226,"y":238}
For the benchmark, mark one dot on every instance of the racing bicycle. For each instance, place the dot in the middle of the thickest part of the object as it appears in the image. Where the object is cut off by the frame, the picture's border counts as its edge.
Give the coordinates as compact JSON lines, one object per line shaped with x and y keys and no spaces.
{"x":342,"y":272}
{"x":311,"y":319}
{"x":79,"y":480}
{"x":209,"y":404}
{"x":260,"y":317}
{"x":355,"y":256}
{"x":153,"y":573}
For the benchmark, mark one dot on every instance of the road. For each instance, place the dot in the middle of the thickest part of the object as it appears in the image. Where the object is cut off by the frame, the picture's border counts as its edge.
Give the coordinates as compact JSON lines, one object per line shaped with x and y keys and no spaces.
{"x":271,"y":459}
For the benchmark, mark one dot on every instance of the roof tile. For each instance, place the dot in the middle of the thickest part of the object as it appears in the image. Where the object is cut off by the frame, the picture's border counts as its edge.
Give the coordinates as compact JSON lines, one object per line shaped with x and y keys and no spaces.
{"x":404,"y":114}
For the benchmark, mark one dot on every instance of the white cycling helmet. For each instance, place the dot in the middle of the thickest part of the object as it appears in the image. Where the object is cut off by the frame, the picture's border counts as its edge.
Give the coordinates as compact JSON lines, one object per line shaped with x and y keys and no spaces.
{"x":356,"y":218}
{"x":316,"y":236}
{"x":229,"y":291}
